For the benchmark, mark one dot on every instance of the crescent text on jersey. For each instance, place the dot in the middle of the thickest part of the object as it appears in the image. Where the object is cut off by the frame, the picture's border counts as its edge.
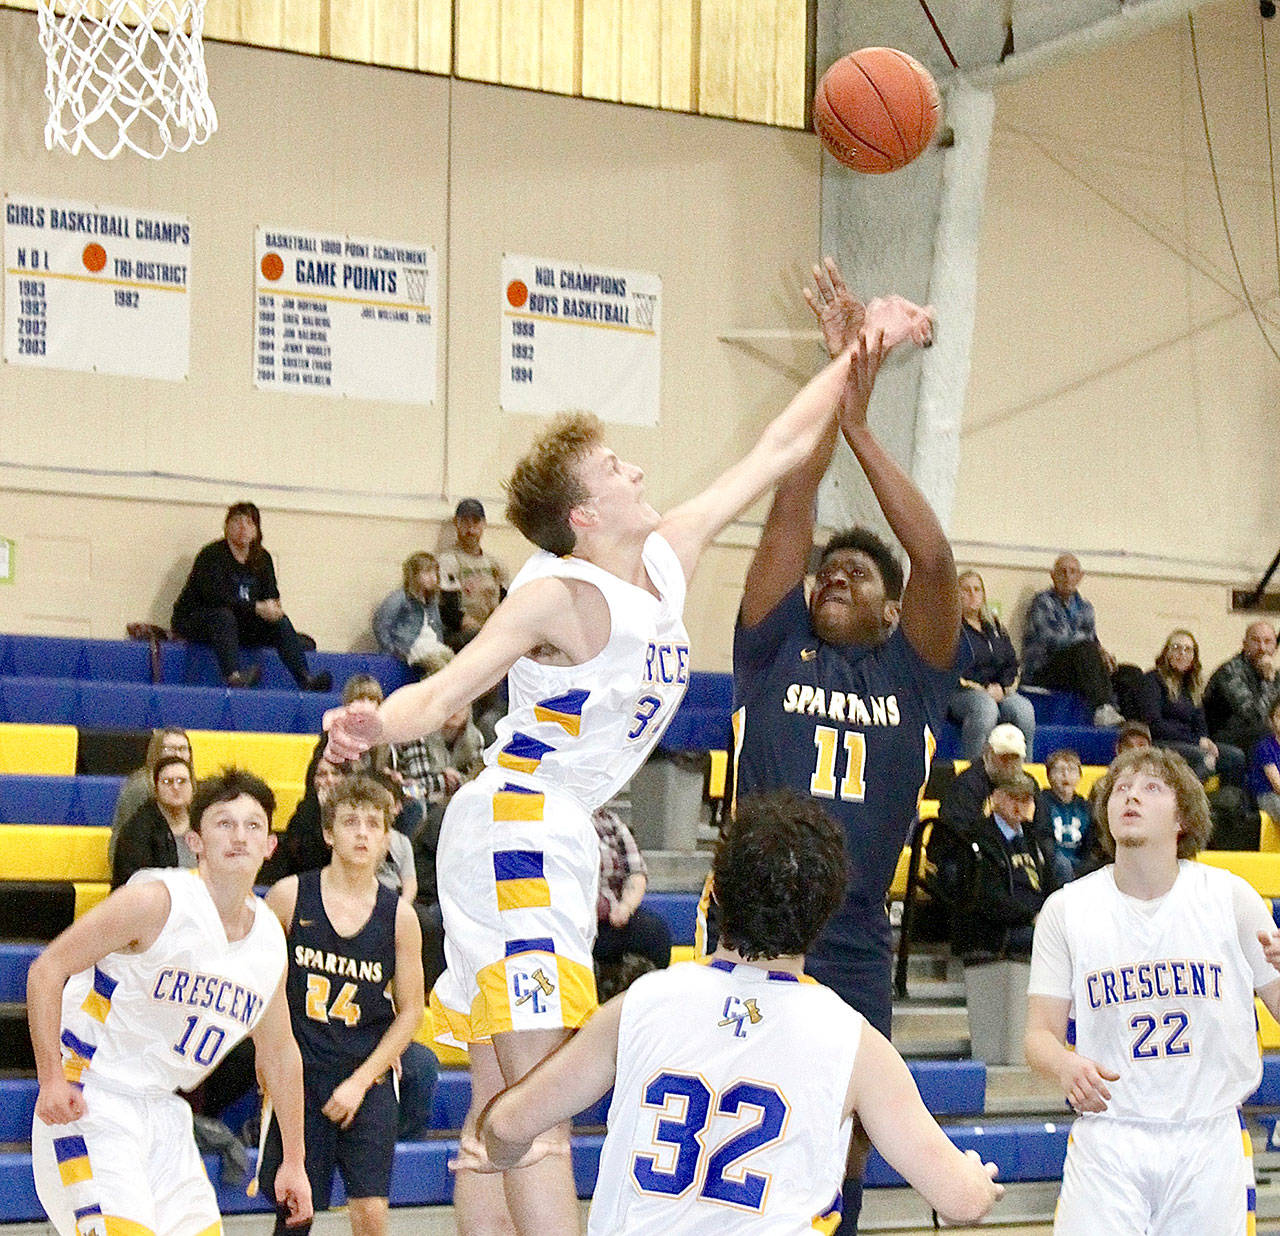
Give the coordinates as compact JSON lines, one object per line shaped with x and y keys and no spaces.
{"x":1160,"y":980}
{"x":207,"y":991}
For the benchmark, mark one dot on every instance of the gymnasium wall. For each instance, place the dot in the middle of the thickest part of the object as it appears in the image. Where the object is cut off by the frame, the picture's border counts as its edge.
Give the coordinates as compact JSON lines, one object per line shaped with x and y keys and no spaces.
{"x":1121,"y":404}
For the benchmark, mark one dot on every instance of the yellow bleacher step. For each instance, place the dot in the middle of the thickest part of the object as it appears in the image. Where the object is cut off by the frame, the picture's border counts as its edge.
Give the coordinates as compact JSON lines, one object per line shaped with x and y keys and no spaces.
{"x":38,"y":750}
{"x":279,"y":759}
{"x":54,"y":852}
{"x":1260,"y":869}
{"x":90,"y":894}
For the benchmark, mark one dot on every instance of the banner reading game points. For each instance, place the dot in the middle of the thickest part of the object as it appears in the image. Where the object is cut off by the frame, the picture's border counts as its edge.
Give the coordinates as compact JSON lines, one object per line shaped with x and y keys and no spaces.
{"x":102,"y":289}
{"x":339,"y":315}
{"x":580,"y":337}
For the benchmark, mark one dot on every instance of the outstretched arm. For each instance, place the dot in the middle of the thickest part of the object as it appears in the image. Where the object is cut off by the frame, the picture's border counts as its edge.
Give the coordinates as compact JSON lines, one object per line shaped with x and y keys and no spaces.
{"x":959,"y":1186}
{"x":545,"y":612}
{"x":931,"y":602}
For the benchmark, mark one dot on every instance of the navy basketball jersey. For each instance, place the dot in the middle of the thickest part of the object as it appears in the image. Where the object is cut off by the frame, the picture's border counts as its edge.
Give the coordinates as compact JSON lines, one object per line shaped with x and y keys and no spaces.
{"x":339,"y":987}
{"x":852,"y":726}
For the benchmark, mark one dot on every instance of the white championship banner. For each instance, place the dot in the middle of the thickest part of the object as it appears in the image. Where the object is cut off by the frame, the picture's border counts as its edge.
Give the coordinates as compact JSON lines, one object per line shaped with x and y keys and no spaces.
{"x":101,"y":289}
{"x":341,"y":315}
{"x":581,"y":337}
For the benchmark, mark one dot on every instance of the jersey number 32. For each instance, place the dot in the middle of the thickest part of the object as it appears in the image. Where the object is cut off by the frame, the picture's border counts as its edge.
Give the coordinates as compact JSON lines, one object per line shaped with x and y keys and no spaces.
{"x":714,"y":1171}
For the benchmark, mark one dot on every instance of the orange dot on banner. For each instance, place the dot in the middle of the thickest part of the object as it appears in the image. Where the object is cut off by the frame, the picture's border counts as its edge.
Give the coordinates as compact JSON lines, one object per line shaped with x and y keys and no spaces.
{"x":94,"y":257}
{"x":272,"y":266}
{"x":517,"y":294}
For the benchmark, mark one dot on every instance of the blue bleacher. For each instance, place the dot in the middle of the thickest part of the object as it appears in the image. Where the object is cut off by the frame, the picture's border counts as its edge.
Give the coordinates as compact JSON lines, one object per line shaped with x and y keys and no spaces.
{"x":15,"y":961}
{"x":129,"y":661}
{"x":701,"y":722}
{"x":58,"y":800}
{"x":1021,"y":1150}
{"x":1094,"y":744}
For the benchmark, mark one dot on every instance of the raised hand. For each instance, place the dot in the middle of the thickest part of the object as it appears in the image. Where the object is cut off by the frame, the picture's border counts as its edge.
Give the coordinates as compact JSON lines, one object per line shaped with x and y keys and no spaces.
{"x":900,"y":321}
{"x":839,"y":312}
{"x":864,"y":364}
{"x":353,"y":729}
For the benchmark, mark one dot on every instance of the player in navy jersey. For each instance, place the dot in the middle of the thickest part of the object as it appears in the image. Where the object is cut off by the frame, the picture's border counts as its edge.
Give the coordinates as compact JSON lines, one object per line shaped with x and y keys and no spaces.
{"x":841,"y":698}
{"x":355,"y":996}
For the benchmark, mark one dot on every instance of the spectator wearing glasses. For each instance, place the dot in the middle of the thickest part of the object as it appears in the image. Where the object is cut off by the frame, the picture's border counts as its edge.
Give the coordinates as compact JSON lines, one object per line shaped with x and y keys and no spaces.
{"x":155,"y":835}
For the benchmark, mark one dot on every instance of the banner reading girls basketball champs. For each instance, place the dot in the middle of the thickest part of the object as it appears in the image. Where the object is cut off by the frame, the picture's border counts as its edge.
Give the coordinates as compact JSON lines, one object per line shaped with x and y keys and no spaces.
{"x":341,"y":315}
{"x":96,"y":288}
{"x":582,"y":337}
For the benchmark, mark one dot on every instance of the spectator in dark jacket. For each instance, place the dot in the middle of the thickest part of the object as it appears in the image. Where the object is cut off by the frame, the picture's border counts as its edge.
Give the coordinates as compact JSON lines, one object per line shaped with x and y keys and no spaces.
{"x":1170,"y":704}
{"x":988,"y":690}
{"x":964,"y":802}
{"x":231,"y":599}
{"x":995,"y":875}
{"x":1241,"y":691}
{"x":155,"y":835}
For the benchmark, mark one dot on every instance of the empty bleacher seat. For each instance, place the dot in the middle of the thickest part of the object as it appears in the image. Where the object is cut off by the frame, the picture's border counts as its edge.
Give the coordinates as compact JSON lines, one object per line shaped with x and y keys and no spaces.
{"x":49,"y":749}
{"x":53,"y":852}
{"x":1093,"y":744}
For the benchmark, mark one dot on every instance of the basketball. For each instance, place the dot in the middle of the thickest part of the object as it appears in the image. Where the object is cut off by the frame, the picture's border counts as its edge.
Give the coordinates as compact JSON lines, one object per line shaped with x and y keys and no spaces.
{"x":876,"y":109}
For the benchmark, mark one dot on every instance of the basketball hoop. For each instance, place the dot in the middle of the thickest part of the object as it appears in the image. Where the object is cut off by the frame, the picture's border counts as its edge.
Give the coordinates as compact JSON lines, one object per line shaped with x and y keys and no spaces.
{"x":125,"y":73}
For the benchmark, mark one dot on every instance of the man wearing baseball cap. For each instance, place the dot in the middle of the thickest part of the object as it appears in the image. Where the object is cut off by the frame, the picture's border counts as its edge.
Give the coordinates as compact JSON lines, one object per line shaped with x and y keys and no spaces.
{"x":964,"y":803}
{"x":479,"y":578}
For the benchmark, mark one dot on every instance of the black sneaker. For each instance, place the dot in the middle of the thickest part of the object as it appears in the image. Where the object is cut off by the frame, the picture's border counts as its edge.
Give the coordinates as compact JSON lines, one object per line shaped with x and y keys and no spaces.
{"x":323,"y":681}
{"x":245,"y":678}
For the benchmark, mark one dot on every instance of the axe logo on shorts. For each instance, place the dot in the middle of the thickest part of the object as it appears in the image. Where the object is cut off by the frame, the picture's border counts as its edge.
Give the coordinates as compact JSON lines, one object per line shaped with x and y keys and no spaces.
{"x":534,"y":987}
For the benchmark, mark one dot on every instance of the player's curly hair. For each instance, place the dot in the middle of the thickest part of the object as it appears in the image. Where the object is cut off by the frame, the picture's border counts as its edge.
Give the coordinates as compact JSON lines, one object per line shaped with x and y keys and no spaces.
{"x":358,"y":790}
{"x":545,"y":485}
{"x":1175,"y":772}
{"x":877,"y":550}
{"x":226,"y":787}
{"x":779,"y":873}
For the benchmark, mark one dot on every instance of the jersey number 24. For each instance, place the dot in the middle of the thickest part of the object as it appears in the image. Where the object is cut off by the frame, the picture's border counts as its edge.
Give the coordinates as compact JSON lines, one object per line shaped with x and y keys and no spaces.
{"x":713,"y":1171}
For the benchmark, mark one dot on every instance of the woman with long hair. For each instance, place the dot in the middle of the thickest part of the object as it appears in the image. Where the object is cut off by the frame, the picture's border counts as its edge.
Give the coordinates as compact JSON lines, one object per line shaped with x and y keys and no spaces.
{"x":988,"y":691}
{"x":1171,"y":703}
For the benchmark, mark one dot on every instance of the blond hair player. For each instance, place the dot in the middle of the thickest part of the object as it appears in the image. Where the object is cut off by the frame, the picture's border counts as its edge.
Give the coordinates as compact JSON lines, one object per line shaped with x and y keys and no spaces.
{"x":145,"y":995}
{"x":1157,"y":959}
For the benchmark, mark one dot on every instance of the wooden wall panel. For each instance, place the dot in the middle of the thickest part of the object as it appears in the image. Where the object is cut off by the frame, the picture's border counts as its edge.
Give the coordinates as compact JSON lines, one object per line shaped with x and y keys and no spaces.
{"x":744,"y":59}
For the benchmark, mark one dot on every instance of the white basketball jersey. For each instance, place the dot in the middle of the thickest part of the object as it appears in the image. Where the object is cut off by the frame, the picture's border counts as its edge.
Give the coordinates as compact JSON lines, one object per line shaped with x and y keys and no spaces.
{"x":1166,"y":998}
{"x":727,"y":1107}
{"x":160,"y":1020}
{"x":588,"y":727}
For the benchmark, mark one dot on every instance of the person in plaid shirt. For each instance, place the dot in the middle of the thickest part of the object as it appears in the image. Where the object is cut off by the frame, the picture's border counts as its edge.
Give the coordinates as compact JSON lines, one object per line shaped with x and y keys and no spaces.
{"x":625,"y":925}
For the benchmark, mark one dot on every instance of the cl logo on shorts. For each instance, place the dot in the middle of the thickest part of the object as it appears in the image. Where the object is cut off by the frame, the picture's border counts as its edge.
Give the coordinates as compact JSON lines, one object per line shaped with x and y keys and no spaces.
{"x":738,"y":1012}
{"x":533,"y":987}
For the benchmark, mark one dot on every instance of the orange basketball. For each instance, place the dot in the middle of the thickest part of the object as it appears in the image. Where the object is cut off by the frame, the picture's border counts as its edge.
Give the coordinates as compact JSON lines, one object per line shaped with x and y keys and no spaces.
{"x":876,"y":109}
{"x":94,"y":257}
{"x":272,"y":266}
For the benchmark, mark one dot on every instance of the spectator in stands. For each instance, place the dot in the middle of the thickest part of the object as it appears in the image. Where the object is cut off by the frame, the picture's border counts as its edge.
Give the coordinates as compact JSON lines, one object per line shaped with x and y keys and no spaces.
{"x":1133,"y":736}
{"x":988,"y":690}
{"x":1264,"y":768}
{"x":408,"y":624}
{"x":625,"y":926}
{"x":1170,"y":704}
{"x":435,"y":766}
{"x":303,"y":847}
{"x":231,"y":599}
{"x":381,"y":760}
{"x":964,"y":802}
{"x":155,"y":835}
{"x":996,"y":873}
{"x":478,"y":578}
{"x":1069,"y":816}
{"x":138,"y":787}
{"x":1060,"y":647}
{"x":1242,"y":690}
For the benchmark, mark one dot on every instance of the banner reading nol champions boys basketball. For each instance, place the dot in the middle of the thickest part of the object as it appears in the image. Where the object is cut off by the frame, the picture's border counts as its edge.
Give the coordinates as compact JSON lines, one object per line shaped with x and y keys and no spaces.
{"x":581,"y":337}
{"x":96,"y":288}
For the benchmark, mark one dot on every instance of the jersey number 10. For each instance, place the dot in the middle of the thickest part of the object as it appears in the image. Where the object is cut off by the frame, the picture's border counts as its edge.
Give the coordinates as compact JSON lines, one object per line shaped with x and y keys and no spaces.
{"x":853,"y":787}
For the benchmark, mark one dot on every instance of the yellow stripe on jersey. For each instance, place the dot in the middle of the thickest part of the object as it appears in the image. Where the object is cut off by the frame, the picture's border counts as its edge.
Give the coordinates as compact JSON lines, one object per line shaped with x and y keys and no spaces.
{"x":73,"y":1068}
{"x":96,"y":1006}
{"x":523,"y":894}
{"x":518,"y":763}
{"x":511,"y":805}
{"x":570,"y":724}
{"x":214,"y":1229}
{"x":117,"y":1225}
{"x":452,"y":1028}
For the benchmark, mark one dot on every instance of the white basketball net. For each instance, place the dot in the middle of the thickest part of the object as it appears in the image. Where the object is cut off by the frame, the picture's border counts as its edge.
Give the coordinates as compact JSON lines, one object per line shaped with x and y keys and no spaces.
{"x":125,"y":73}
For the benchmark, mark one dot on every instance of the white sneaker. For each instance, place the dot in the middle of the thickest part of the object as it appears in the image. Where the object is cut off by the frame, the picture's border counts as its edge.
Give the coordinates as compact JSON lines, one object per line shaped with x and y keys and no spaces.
{"x":1108,"y":716}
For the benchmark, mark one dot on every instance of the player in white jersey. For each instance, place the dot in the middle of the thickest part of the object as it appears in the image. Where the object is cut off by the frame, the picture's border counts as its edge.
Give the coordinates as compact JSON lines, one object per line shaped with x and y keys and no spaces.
{"x":143,"y":996}
{"x":735,"y":1080}
{"x":592,"y":641}
{"x":1157,"y":958}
